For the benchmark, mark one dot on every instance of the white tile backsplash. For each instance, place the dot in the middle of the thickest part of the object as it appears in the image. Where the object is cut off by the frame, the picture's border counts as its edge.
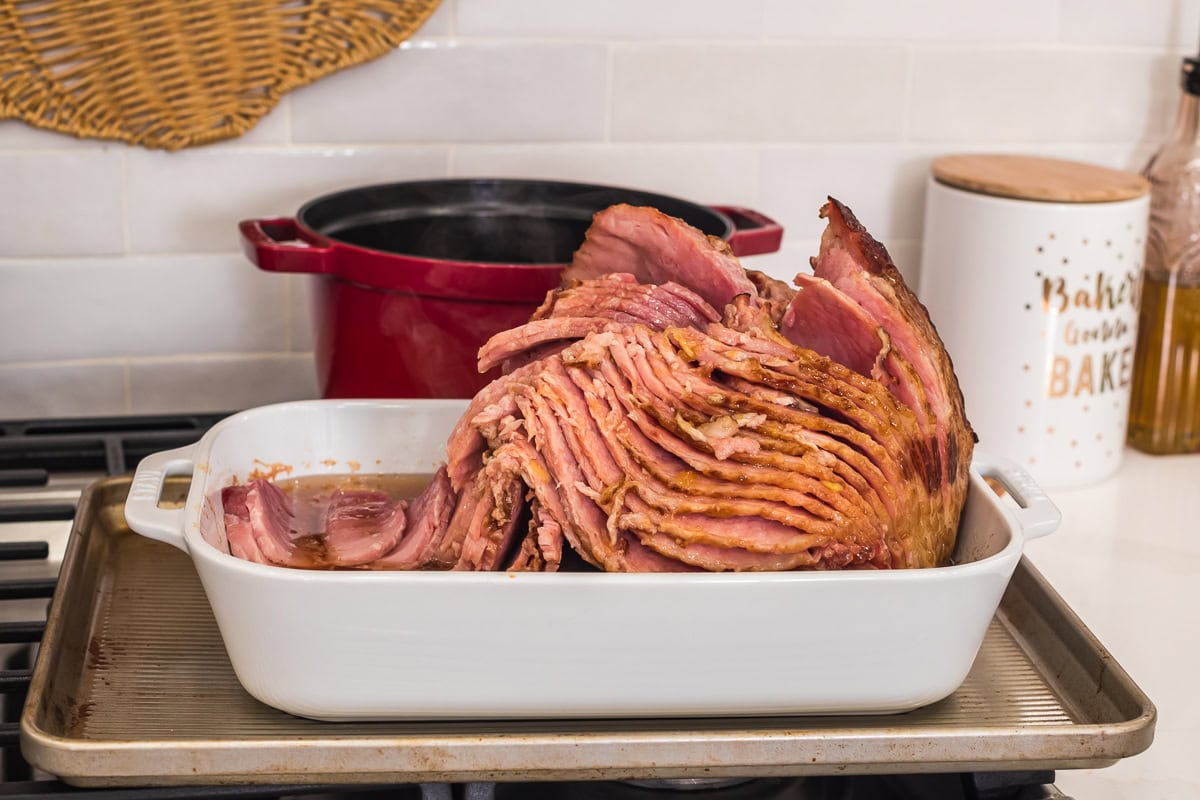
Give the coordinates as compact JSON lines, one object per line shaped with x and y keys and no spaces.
{"x":69,"y":389}
{"x":758,"y":93}
{"x":913,"y":20}
{"x":720,"y":175}
{"x":160,"y":386}
{"x":1008,"y":95}
{"x":460,"y":91}
{"x":906,"y":255}
{"x":883,"y":185}
{"x":613,"y":19}
{"x":61,"y":203}
{"x":194,"y":204}
{"x":56,"y":309}
{"x":1156,"y":23}
{"x":299,"y":312}
{"x":122,"y":287}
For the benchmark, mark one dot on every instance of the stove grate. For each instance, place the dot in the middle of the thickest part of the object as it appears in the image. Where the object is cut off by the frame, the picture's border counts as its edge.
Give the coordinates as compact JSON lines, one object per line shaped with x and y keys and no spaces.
{"x":32,"y":450}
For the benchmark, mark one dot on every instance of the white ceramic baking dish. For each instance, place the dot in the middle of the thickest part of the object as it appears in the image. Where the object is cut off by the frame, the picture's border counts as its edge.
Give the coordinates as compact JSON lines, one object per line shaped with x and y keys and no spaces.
{"x":405,"y":645}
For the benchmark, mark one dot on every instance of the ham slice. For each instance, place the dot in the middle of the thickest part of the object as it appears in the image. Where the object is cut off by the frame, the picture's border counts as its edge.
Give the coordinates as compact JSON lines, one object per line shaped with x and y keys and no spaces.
{"x":656,"y":248}
{"x":361,"y":526}
{"x":823,"y":318}
{"x":259,"y":525}
{"x":428,"y":519}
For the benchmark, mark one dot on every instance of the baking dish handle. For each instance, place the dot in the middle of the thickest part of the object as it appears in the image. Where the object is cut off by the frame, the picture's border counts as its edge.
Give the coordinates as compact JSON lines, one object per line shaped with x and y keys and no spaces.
{"x":141,"y":507}
{"x":1037,"y":513}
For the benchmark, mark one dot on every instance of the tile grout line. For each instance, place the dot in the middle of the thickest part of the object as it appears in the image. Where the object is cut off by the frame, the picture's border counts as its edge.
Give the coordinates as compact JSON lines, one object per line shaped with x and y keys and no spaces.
{"x":289,"y":289}
{"x":609,"y":91}
{"x":288,"y":137}
{"x":128,"y":381}
{"x":909,"y":78}
{"x":807,"y":40}
{"x":840,"y":144}
{"x":126,"y":234}
{"x":128,"y":361}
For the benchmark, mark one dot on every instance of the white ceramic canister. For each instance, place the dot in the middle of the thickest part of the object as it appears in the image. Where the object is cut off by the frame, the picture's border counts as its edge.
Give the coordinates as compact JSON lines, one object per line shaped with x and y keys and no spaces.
{"x":1030,"y":270}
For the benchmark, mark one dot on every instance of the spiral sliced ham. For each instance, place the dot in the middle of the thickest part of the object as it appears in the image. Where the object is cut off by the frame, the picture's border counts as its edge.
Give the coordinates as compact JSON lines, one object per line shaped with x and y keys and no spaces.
{"x":666,"y":410}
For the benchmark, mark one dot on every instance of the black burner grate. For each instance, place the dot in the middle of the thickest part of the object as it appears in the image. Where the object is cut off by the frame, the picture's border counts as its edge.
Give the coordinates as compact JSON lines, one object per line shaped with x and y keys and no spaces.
{"x":32,"y":450}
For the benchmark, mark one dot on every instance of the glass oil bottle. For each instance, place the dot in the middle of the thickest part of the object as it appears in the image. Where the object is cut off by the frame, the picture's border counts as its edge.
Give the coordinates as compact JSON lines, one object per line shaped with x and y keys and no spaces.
{"x":1164,"y":415}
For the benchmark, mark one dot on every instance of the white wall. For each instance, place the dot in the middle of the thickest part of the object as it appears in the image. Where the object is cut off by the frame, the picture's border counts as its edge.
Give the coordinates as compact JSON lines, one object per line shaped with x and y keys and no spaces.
{"x":122,"y":287}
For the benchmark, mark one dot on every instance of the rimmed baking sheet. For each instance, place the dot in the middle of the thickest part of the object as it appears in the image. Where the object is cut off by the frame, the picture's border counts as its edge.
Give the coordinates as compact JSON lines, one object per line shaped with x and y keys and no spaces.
{"x":133,"y":687}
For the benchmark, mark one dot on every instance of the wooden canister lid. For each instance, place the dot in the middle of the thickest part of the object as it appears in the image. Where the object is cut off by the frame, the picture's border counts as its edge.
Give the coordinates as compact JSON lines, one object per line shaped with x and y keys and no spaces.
{"x":1034,"y":178}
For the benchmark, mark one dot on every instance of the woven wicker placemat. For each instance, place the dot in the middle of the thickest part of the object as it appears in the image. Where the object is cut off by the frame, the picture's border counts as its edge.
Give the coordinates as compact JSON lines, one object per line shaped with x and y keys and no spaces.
{"x":170,"y":74}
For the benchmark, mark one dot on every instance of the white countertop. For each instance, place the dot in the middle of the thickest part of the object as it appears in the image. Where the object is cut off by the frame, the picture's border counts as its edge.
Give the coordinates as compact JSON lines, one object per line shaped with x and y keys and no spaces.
{"x":1127,"y":560}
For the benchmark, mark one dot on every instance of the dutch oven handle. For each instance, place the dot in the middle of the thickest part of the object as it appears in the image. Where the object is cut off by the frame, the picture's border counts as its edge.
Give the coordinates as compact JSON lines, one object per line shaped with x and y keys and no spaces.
{"x":281,"y":245}
{"x":754,"y":233}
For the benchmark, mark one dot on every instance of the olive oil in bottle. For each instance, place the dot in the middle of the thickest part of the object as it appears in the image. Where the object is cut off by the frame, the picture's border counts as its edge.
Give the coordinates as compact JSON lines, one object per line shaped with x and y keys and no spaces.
{"x":1164,"y":411}
{"x":1165,"y":404}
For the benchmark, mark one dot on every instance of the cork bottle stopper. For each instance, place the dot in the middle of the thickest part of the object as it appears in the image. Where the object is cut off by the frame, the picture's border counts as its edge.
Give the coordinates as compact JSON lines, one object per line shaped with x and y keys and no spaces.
{"x":1035,"y":178}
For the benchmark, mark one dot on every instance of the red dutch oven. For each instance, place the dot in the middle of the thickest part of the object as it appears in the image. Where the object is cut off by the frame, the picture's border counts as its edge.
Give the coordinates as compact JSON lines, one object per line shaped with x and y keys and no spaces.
{"x":414,"y":277}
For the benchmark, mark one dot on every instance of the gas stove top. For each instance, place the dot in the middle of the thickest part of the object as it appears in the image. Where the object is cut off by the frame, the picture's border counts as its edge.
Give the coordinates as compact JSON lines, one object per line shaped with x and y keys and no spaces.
{"x":46,"y":464}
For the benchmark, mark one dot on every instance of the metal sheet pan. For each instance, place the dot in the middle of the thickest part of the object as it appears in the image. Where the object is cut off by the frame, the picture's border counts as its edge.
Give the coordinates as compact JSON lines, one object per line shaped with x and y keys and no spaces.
{"x":132,"y":686}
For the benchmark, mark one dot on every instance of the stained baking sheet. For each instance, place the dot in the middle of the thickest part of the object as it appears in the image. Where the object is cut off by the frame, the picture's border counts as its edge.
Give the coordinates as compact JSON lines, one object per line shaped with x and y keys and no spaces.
{"x":132,"y":686}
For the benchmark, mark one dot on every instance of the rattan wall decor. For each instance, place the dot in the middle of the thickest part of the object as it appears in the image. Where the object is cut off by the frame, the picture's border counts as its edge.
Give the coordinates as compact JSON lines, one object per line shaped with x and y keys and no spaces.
{"x":170,"y":74}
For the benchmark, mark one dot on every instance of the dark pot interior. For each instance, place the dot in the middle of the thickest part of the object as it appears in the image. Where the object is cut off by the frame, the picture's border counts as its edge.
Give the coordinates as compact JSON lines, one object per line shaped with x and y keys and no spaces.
{"x":484,"y":220}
